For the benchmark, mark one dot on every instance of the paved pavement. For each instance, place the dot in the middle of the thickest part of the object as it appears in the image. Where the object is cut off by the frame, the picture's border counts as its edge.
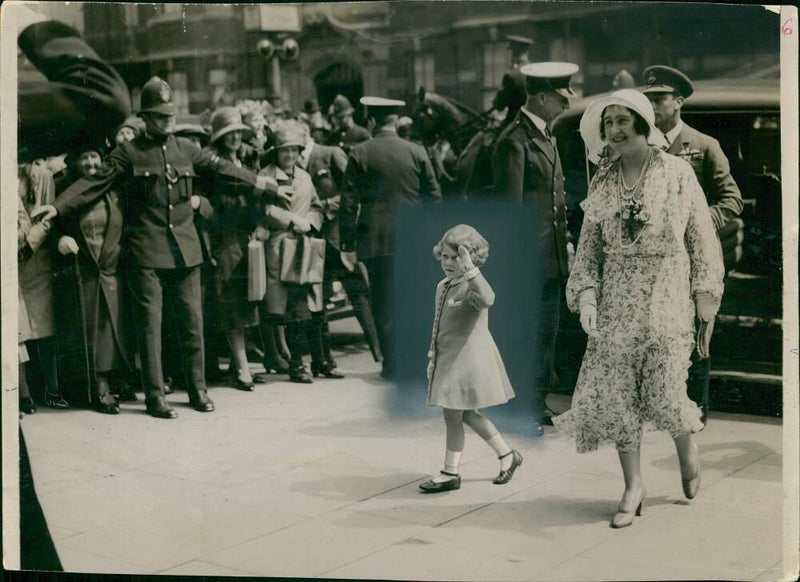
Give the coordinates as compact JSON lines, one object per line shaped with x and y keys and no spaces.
{"x":321,"y":481}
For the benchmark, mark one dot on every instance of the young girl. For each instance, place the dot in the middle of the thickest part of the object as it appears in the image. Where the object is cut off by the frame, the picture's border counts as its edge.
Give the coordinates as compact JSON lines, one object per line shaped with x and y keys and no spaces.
{"x":466,"y":372}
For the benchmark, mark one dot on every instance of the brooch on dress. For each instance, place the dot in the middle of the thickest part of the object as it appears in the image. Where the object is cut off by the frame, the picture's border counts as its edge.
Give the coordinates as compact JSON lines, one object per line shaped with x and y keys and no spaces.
{"x":633,"y":213}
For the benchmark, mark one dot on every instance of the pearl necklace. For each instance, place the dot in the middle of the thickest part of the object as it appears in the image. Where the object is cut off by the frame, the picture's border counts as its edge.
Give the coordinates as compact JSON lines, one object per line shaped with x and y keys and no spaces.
{"x":632,"y":213}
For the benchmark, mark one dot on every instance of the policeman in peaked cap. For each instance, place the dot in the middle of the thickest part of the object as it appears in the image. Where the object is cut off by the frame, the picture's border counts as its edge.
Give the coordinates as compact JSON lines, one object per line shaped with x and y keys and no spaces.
{"x":382,"y":174}
{"x":512,"y":88}
{"x":154,"y":172}
{"x":667,"y":89}
{"x":345,"y":133}
{"x":527,"y":170}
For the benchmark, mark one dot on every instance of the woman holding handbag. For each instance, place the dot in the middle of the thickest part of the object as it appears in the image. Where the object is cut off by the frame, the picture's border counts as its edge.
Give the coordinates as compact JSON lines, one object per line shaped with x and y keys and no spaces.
{"x":236,"y":225}
{"x":295,"y":256}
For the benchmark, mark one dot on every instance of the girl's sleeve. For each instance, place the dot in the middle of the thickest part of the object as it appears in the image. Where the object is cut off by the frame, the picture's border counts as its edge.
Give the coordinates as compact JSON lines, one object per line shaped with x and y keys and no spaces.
{"x":702,"y":243}
{"x":480,"y":294}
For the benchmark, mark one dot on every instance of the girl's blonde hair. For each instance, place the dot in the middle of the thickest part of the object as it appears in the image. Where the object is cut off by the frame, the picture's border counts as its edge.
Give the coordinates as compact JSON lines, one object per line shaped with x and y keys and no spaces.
{"x":465,"y":235}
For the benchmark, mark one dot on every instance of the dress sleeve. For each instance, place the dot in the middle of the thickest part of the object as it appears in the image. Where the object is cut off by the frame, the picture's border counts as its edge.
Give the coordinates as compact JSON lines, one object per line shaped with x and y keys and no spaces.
{"x":702,"y":244}
{"x":587,"y":270}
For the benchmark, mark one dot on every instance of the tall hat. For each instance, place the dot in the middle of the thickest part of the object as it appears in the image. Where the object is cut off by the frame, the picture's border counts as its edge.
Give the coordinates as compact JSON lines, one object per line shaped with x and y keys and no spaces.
{"x":549,"y":76}
{"x":381,"y":107}
{"x":341,"y":106}
{"x":157,"y":97}
{"x":225,"y":120}
{"x":661,"y":79}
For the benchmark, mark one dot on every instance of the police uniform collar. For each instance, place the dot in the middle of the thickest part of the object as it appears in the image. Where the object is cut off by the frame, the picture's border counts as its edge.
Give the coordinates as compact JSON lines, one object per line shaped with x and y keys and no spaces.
{"x":540,"y":123}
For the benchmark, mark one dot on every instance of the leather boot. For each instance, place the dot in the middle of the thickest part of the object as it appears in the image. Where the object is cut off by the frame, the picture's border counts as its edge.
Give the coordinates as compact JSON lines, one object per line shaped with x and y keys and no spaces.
{"x":158,"y":407}
{"x":201,"y":402}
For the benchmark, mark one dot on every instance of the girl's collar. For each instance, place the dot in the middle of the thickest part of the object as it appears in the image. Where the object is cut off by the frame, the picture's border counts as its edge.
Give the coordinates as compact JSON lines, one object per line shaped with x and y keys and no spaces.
{"x":455,"y":280}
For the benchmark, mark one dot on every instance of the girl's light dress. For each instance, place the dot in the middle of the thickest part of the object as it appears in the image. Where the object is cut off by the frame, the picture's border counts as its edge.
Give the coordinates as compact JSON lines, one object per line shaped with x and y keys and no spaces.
{"x":467,"y":372}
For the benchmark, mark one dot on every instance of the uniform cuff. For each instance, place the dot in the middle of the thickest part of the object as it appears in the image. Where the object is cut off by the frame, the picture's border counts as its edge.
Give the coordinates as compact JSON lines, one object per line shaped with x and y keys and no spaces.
{"x":472,"y":273}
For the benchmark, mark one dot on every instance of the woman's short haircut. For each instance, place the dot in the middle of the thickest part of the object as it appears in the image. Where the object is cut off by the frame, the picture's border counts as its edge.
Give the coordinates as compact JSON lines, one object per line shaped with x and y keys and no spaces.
{"x":640,"y":126}
{"x":465,"y":235}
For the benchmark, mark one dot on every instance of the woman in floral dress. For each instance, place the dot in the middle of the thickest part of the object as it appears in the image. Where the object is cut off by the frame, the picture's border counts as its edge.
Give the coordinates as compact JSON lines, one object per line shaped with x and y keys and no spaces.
{"x":648,"y":266}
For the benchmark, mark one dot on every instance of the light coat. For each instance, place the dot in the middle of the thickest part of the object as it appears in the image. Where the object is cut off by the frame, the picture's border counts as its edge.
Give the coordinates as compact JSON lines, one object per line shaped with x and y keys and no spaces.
{"x":278,"y":219}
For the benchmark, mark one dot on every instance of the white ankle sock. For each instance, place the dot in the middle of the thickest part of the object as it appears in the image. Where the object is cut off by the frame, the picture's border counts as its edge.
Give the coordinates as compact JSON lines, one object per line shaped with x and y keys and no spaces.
{"x":451,"y":459}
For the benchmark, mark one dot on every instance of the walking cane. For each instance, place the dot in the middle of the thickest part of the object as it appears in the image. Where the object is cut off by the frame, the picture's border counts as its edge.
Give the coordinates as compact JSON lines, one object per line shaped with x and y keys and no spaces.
{"x":84,"y":331}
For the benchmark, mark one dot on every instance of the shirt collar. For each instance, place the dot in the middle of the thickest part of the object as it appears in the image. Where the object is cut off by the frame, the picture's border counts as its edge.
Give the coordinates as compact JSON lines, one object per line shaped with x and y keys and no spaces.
{"x":673,"y":133}
{"x":540,"y":123}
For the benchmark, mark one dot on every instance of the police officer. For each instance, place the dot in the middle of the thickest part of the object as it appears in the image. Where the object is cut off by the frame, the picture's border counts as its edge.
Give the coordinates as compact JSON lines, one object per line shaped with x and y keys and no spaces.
{"x":527,"y":169}
{"x":345,"y":133}
{"x":667,"y":89}
{"x":382,"y":174}
{"x":512,"y":88}
{"x":163,"y":251}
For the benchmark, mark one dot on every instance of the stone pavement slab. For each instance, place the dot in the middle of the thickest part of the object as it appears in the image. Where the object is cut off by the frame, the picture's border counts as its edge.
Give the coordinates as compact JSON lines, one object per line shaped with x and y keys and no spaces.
{"x":321,"y":481}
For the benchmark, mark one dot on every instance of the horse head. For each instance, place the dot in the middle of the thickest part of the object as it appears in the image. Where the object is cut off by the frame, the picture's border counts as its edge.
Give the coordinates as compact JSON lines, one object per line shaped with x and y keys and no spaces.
{"x":437,"y":117}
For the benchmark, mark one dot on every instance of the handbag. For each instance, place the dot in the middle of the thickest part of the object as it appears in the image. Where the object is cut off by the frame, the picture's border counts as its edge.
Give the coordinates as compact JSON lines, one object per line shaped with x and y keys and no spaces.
{"x":256,"y":270}
{"x":302,"y":260}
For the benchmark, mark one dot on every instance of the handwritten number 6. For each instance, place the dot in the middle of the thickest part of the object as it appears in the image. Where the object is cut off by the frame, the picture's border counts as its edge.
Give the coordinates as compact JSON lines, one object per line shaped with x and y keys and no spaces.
{"x":786,"y":28}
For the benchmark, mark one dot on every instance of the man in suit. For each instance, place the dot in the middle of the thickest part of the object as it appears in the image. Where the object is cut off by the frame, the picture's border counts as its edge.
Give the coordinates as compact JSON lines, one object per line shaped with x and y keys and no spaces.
{"x":667,"y":89}
{"x":527,"y":170}
{"x":512,"y":88}
{"x":345,"y":133}
{"x":327,"y":166}
{"x":382,"y":174}
{"x":162,"y":249}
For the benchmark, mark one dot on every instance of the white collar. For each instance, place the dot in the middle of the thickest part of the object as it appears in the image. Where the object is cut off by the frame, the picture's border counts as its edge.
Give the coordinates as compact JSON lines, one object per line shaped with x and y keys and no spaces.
{"x":306,"y":153}
{"x":280,"y":174}
{"x":673,"y":133}
{"x":540,"y":123}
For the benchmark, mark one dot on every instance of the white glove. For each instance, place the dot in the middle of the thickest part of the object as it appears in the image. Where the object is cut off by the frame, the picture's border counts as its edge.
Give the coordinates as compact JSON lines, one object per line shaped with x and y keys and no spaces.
{"x":588,"y":309}
{"x":67,"y":245}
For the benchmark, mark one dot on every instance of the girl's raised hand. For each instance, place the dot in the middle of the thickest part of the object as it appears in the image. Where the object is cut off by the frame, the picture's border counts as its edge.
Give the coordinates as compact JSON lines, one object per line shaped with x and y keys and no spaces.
{"x":464,"y":260}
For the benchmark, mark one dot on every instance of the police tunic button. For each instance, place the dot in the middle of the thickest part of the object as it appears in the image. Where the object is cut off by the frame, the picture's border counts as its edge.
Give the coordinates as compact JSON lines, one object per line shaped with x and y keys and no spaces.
{"x":186,"y":173}
{"x":164,"y":147}
{"x":171,"y":207}
{"x":169,"y":186}
{"x":147,"y":174}
{"x":170,"y":225}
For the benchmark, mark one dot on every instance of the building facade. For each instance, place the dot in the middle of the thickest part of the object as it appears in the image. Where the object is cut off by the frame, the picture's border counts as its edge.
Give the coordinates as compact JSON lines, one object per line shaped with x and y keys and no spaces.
{"x":209,"y":53}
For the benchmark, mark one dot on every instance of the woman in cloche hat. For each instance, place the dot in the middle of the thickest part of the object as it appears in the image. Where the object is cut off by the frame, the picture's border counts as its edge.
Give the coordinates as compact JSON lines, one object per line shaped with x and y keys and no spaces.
{"x":235,"y":229}
{"x":648,"y":266}
{"x":290,"y":223}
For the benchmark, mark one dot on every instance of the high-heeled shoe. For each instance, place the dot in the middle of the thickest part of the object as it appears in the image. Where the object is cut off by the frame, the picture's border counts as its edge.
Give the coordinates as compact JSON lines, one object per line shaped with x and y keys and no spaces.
{"x":325,"y":369}
{"x":625,"y":518}
{"x":56,"y":401}
{"x":244,"y":386}
{"x":692,"y":486}
{"x":300,"y":375}
{"x":506,"y":474}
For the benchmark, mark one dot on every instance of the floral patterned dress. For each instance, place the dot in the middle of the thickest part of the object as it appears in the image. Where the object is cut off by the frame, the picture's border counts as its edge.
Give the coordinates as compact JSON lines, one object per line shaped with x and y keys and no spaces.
{"x":635,"y":371}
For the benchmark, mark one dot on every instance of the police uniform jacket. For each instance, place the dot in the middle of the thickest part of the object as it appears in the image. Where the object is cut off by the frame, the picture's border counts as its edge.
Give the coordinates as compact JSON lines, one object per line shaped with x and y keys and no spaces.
{"x":527,"y":169}
{"x":347,"y":137}
{"x":157,"y":179}
{"x":713,"y":172}
{"x":382,"y":174}
{"x":326,"y":165}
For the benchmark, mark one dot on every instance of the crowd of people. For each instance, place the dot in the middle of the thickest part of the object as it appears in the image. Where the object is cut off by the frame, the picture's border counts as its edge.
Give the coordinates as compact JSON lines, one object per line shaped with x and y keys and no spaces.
{"x":181,"y":245}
